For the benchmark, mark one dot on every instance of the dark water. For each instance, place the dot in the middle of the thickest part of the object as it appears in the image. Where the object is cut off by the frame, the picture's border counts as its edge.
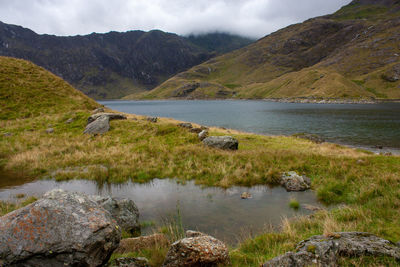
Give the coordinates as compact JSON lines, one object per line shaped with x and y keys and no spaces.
{"x":366,"y":125}
{"x":212,"y":210}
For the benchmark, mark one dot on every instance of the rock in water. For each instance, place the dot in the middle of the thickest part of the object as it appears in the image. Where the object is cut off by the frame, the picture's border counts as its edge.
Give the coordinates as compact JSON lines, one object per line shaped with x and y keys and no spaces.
{"x":61,"y":229}
{"x":245,"y":195}
{"x":222,"y":142}
{"x":99,"y":126}
{"x":111,"y":116}
{"x":294,"y":182}
{"x":324,"y":250}
{"x":197,"y":249}
{"x":124,"y":211}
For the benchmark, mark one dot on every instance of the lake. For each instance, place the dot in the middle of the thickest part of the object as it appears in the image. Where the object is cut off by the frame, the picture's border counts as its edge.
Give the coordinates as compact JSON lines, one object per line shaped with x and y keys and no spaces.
{"x":360,"y":125}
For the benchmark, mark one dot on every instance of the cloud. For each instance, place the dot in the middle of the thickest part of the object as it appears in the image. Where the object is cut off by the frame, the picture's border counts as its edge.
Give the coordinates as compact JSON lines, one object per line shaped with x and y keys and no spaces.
{"x":254,"y":18}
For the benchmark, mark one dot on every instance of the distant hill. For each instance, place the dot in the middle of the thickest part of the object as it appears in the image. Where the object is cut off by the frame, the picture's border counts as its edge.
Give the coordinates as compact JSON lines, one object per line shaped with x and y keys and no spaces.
{"x":113,"y":64}
{"x":353,"y":53}
{"x":27,"y":90}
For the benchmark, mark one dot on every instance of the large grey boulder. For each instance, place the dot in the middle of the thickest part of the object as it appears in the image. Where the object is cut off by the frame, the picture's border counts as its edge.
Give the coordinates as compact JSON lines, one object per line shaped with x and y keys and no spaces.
{"x":221,"y":142}
{"x":111,"y":116}
{"x":325,"y":250}
{"x":99,"y":126}
{"x":61,"y":229}
{"x":124,"y":211}
{"x":197,"y":249}
{"x":294,"y":182}
{"x":203,"y":135}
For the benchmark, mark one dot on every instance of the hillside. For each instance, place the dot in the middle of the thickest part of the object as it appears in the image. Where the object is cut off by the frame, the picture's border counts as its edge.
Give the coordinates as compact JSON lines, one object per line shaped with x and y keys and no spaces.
{"x":353,"y":53}
{"x":27,"y":90}
{"x":113,"y":64}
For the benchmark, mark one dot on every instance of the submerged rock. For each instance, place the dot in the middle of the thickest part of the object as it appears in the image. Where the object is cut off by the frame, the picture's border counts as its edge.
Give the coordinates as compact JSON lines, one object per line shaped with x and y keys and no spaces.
{"x":222,"y":142}
{"x":61,"y":229}
{"x":124,"y":211}
{"x":99,"y":126}
{"x":294,"y":182}
{"x":197,"y":249}
{"x":325,"y":250}
{"x":110,"y":116}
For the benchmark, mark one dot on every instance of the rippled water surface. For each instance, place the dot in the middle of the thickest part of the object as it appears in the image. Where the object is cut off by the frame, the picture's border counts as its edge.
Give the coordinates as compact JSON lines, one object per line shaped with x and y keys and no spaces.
{"x":366,"y":125}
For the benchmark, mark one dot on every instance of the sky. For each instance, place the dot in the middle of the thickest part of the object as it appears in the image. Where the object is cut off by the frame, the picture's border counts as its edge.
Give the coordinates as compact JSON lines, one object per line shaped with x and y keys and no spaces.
{"x":252,"y":18}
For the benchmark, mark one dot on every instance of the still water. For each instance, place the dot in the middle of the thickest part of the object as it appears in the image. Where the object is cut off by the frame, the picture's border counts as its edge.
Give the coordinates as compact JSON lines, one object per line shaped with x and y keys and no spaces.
{"x":215,"y":211}
{"x":366,"y":125}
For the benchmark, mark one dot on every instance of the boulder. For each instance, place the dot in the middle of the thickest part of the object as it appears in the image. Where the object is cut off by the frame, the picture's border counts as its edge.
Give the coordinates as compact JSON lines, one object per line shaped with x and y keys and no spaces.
{"x":245,"y":195}
{"x":99,"y":126}
{"x":222,"y":142}
{"x":136,"y":244}
{"x":61,"y":229}
{"x":197,"y":249}
{"x":186,"y":125}
{"x":130,"y":262}
{"x":196,"y":130}
{"x":50,"y":130}
{"x":124,"y":211}
{"x":111,"y":116}
{"x":294,"y":182}
{"x":325,"y":250}
{"x":70,"y":120}
{"x":152,"y":119}
{"x":203,"y":135}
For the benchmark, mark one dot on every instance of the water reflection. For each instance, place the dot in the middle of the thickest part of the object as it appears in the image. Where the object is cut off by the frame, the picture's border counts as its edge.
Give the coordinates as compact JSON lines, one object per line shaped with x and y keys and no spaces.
{"x":216,"y":211}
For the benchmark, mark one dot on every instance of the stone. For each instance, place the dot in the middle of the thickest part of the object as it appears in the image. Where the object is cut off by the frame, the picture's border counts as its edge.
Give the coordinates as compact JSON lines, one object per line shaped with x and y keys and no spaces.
{"x":130,"y":262}
{"x":124,"y":211}
{"x":325,"y":250}
{"x":197,"y":249}
{"x":7,"y":134}
{"x":221,"y":142}
{"x":50,"y":130}
{"x":70,"y":120}
{"x":111,"y":116}
{"x":61,"y":229}
{"x":100,"y":126}
{"x":196,"y":130}
{"x":312,"y":208}
{"x":393,"y":74}
{"x":203,"y":135}
{"x":98,"y":110}
{"x":152,"y":119}
{"x":186,"y":125}
{"x":245,"y":195}
{"x":136,"y":244}
{"x":294,"y":182}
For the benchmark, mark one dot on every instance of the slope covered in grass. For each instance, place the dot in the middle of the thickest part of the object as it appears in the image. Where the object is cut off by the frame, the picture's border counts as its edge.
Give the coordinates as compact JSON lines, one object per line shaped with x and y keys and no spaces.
{"x":27,"y":90}
{"x":353,"y":53}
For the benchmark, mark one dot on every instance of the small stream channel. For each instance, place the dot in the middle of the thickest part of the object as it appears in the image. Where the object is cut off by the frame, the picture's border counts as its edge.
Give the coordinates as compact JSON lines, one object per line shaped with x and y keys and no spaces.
{"x":219,"y":212}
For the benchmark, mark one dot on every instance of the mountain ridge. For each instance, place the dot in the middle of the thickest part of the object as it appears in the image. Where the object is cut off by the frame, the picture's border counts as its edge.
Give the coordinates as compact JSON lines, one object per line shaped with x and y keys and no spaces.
{"x":106,"y":65}
{"x":352,"y":53}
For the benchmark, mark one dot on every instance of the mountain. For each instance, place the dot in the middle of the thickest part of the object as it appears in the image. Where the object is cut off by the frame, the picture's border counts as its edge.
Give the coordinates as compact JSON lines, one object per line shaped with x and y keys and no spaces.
{"x":27,"y":90}
{"x":219,"y":42}
{"x":109,"y":65}
{"x":353,"y":53}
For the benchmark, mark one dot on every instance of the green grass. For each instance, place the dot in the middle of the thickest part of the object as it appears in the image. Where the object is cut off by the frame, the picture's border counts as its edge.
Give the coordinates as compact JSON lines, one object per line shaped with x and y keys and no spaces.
{"x":294,"y":204}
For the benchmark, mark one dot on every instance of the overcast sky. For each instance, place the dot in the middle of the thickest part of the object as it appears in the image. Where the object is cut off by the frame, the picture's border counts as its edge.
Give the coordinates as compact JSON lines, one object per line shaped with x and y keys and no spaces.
{"x":254,"y":18}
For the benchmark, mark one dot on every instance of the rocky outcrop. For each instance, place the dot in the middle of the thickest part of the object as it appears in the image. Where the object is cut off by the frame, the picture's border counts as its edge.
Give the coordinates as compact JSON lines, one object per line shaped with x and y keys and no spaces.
{"x":393,"y":74}
{"x":100,"y":126}
{"x":203,"y":135}
{"x":61,"y":229}
{"x":325,"y":250}
{"x":222,"y":142}
{"x":185,"y":89}
{"x":98,"y":110}
{"x":152,"y":119}
{"x":130,"y":262}
{"x":197,"y":249}
{"x":186,"y":125}
{"x":124,"y":211}
{"x":110,"y":116}
{"x":294,"y":182}
{"x":136,"y":244}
